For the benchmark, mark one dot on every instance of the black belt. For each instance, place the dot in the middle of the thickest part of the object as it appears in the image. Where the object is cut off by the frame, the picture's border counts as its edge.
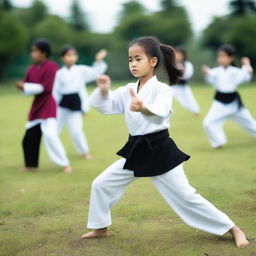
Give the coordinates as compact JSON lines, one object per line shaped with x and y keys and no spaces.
{"x":151,"y":154}
{"x":182,"y":82}
{"x":227,"y":98}
{"x":71,"y":101}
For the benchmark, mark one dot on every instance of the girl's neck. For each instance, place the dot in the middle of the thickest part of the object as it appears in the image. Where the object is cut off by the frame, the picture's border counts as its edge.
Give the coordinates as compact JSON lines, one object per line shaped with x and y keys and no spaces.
{"x":69,"y":66}
{"x":226,"y":66}
{"x":144,"y":79}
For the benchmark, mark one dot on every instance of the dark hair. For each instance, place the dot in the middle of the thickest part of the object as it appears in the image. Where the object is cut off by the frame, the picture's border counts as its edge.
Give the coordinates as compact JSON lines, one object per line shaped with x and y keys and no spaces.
{"x":154,"y":48}
{"x":228,"y":49}
{"x":67,"y":48}
{"x":182,"y":50}
{"x":43,"y":46}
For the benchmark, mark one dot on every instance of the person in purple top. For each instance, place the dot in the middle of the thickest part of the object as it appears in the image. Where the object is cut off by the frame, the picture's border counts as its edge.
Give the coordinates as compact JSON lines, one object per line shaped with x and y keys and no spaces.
{"x":39,"y":82}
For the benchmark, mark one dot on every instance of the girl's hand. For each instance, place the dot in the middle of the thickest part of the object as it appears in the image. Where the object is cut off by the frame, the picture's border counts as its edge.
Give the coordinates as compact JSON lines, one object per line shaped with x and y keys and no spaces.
{"x":20,"y":85}
{"x":246,"y":61}
{"x":205,"y":70}
{"x":103,"y":83}
{"x":100,"y":55}
{"x":136,"y":105}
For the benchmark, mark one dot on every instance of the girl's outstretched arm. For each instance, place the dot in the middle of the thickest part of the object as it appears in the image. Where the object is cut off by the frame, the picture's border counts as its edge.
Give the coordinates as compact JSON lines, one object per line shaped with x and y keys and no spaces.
{"x":105,"y":100}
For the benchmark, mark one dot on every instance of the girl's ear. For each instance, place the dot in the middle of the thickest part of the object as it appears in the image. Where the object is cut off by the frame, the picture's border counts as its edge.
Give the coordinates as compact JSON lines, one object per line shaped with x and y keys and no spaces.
{"x":153,"y":61}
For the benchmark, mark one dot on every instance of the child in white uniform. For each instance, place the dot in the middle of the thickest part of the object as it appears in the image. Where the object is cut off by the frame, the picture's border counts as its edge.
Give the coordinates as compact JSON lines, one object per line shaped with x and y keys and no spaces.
{"x":182,"y":91}
{"x":149,"y":152}
{"x":71,"y":94}
{"x":227,"y":104}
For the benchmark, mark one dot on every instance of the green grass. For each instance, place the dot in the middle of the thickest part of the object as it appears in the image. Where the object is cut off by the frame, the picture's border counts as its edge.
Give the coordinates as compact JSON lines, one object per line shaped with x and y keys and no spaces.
{"x":45,"y":212}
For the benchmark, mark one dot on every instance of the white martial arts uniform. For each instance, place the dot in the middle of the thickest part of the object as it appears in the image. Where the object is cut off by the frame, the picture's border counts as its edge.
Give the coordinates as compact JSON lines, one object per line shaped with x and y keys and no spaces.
{"x":226,"y":80}
{"x":73,"y":80}
{"x":183,"y":93}
{"x":109,"y":186}
{"x":53,"y":145}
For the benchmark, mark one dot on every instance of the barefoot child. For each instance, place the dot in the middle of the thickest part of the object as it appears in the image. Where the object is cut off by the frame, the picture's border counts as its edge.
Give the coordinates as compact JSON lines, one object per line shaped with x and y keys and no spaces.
{"x":182,"y":91}
{"x":42,"y":117}
{"x":227,"y":103}
{"x":71,"y":94}
{"x":149,"y":152}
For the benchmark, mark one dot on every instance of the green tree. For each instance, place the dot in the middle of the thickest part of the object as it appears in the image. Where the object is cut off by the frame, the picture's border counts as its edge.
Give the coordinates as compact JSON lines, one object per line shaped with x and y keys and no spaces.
{"x":77,"y":18}
{"x":133,"y":21}
{"x":168,"y":5}
{"x":32,"y":15}
{"x":242,"y":34}
{"x":171,"y":26}
{"x":214,"y":34}
{"x":242,"y":7}
{"x":5,"y":5}
{"x":13,"y":39}
{"x":55,"y":30}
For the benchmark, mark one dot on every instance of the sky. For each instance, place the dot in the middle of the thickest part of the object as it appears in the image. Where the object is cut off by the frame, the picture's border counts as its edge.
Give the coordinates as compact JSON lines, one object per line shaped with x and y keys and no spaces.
{"x":102,"y":14}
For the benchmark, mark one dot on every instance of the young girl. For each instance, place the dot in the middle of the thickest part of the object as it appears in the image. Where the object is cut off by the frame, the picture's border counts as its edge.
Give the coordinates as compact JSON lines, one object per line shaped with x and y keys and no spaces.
{"x":149,"y":152}
{"x":227,"y":104}
{"x":182,"y":91}
{"x":71,"y":94}
{"x":42,"y":117}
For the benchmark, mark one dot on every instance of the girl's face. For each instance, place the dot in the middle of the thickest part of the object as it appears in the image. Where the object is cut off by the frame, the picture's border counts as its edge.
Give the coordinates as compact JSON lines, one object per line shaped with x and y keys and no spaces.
{"x":37,"y":56}
{"x":70,"y":58}
{"x":224,"y":59}
{"x":140,"y":64}
{"x":179,"y":56}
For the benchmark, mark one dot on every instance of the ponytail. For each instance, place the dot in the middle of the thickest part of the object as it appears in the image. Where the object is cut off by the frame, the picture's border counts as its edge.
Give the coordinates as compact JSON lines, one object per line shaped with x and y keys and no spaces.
{"x":165,"y":55}
{"x":174,"y":73}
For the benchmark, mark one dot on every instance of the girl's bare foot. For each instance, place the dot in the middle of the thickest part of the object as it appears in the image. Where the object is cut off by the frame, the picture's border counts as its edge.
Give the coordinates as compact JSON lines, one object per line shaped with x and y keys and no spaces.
{"x":97,"y":233}
{"x":27,"y":169}
{"x":87,"y":156}
{"x":68,"y":169}
{"x":239,"y":237}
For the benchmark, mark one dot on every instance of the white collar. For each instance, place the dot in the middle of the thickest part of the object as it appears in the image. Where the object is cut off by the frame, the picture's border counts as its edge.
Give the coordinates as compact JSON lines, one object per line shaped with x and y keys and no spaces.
{"x":69,"y":69}
{"x":151,"y":81}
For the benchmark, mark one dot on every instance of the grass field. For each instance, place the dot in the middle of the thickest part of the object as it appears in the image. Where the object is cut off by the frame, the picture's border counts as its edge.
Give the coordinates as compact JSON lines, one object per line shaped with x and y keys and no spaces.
{"x":45,"y":212}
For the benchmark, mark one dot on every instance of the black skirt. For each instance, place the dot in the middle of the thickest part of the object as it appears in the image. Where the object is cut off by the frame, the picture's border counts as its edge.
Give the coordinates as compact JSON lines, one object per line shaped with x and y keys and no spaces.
{"x":71,"y":101}
{"x":227,"y":98}
{"x":151,"y":154}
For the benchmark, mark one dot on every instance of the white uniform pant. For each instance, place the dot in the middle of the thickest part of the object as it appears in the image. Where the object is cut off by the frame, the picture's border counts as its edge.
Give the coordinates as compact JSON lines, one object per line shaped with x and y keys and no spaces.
{"x":108,"y":188}
{"x":184,"y":95}
{"x":53,"y":145}
{"x":74,"y":121}
{"x":219,"y":113}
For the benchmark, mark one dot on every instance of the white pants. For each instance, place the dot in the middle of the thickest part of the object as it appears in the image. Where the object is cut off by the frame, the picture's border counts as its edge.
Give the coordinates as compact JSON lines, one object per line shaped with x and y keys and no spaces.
{"x":219,"y":113}
{"x":53,"y":145}
{"x":74,"y":121}
{"x":184,"y":95}
{"x":193,"y":209}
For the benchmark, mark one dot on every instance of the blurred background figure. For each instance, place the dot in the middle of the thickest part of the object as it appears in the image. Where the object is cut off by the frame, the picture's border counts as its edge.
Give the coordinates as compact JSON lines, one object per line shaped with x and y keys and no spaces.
{"x":227,"y":104}
{"x":42,"y":116}
{"x":71,"y":94}
{"x":182,"y":91}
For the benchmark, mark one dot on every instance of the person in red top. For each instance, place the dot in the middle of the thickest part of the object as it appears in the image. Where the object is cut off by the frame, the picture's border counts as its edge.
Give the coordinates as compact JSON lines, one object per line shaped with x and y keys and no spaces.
{"x":39,"y":82}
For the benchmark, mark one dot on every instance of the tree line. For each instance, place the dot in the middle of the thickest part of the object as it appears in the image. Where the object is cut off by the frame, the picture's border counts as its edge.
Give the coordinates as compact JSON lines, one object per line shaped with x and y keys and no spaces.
{"x":171,"y":24}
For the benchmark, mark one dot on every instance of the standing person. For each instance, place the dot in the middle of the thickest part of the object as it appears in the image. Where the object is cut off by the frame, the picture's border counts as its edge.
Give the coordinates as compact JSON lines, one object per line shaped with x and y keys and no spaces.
{"x":182,"y":91}
{"x":42,"y":116}
{"x":71,"y":94}
{"x":149,"y":152}
{"x":227,"y":103}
